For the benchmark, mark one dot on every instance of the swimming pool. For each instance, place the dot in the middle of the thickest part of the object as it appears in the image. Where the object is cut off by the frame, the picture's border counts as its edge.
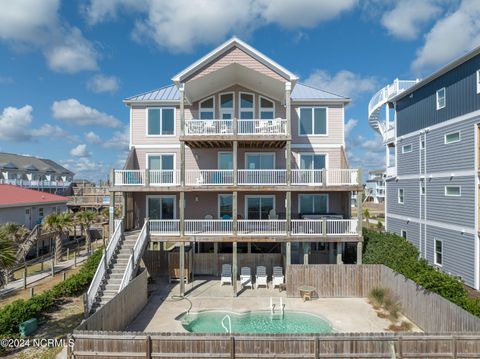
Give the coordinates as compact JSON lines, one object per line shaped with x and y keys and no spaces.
{"x":255,"y":322}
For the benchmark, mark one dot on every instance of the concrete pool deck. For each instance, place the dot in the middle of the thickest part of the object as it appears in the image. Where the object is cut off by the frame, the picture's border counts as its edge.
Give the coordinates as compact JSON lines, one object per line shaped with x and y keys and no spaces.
{"x":162,"y":309}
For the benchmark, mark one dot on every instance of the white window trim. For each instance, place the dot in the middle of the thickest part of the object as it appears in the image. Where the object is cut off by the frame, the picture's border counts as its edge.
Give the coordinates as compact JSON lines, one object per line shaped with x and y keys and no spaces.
{"x":260,"y":108}
{"x":148,"y":196}
{"x":300,"y":154}
{"x":313,"y":194}
{"x":423,"y":193}
{"x":218,"y":203}
{"x":221,"y":111}
{"x":398,"y":196}
{"x":451,"y":133}
{"x":444,"y":97}
{"x":260,"y":153}
{"x":478,"y":81}
{"x":245,"y":214}
{"x":240,"y":108}
{"x":313,"y":122}
{"x":421,"y":143}
{"x":453,"y":195}
{"x":405,"y":151}
{"x":435,"y":240}
{"x":209,"y":109}
{"x":401,"y":233}
{"x":218,"y":157}
{"x":161,"y":115}
{"x":147,"y":155}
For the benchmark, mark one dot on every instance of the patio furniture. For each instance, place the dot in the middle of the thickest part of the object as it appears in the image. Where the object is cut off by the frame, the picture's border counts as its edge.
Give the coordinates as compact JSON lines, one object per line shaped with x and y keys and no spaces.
{"x":246,"y":277}
{"x":226,"y":276}
{"x":261,"y":277}
{"x":307,"y":292}
{"x":277,"y":278}
{"x":272,"y":214}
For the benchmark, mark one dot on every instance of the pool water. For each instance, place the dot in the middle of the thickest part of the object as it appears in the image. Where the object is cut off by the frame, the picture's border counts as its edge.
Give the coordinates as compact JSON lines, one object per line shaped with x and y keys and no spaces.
{"x":256,"y":322}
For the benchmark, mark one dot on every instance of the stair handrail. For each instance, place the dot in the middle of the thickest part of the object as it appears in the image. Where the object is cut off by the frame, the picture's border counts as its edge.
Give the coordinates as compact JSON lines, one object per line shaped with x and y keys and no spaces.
{"x":102,"y":267}
{"x":134,"y":259}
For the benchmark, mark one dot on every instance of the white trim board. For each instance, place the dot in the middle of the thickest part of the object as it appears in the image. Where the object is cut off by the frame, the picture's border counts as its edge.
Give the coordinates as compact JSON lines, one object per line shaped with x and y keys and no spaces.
{"x":447,"y":226}
{"x":463,"y":173}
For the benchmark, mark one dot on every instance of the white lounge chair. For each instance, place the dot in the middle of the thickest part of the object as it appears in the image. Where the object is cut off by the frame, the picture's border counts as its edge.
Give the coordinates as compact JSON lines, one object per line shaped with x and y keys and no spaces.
{"x":226,"y":277}
{"x":277,"y":277}
{"x":246,"y":277}
{"x":261,"y":277}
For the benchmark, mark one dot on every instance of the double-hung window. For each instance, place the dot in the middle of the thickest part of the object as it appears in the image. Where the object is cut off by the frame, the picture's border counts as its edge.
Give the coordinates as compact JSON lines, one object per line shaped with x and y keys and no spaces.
{"x":225,"y":205}
{"x":438,"y":252}
{"x":207,"y":109}
{"x":226,"y":106}
{"x":267,"y":109}
{"x":401,"y":198}
{"x":313,"y":121}
{"x":161,"y":121}
{"x":441,"y":98}
{"x":162,"y":168}
{"x":247,"y":108}
{"x":313,"y":204}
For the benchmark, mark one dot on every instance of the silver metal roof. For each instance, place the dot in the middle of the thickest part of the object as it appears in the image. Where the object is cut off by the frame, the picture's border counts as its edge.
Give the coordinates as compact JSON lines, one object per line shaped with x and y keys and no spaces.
{"x":300,"y":92}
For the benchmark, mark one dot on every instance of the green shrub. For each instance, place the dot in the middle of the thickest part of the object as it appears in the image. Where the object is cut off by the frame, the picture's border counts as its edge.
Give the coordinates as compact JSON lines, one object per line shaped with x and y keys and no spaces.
{"x":21,"y":310}
{"x":402,"y":256}
{"x":377,"y":296}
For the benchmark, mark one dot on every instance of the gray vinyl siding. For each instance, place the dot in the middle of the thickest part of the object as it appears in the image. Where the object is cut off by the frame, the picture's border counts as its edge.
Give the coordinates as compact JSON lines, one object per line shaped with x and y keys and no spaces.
{"x":410,"y":207}
{"x":418,"y":110}
{"x":458,"y":252}
{"x":408,"y":163}
{"x":396,"y":226}
{"x":455,"y":156}
{"x":451,"y":210}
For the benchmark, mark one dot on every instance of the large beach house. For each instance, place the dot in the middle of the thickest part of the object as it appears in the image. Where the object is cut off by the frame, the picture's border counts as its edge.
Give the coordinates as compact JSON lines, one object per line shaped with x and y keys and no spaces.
{"x":235,"y":155}
{"x":431,"y":133}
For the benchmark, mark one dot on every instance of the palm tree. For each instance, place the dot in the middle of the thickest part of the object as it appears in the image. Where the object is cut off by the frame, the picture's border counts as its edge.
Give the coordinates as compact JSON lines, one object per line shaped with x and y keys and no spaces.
{"x":85,"y":219}
{"x":59,"y":224}
{"x":7,"y":256}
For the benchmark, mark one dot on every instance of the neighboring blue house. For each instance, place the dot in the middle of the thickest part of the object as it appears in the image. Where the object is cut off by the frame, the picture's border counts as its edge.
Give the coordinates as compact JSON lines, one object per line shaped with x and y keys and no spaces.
{"x":431,"y":134}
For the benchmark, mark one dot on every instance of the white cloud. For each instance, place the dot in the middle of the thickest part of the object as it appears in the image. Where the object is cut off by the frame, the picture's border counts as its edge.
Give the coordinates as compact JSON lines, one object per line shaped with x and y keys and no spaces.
{"x":120,"y":140}
{"x":450,"y":37}
{"x":84,"y":167}
{"x":80,"y":151}
{"x":15,"y":123}
{"x":35,"y":25}
{"x":349,"y":126}
{"x":103,"y":83}
{"x":48,"y":130}
{"x":92,"y":137}
{"x":365,"y":153}
{"x":74,"y":112}
{"x":344,"y":83}
{"x":6,"y":80}
{"x":219,"y":18}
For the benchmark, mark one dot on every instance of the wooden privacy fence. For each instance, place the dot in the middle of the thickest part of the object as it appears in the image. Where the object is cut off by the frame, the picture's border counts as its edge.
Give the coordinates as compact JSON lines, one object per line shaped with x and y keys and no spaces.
{"x":428,"y":310}
{"x":121,"y":309}
{"x":367,"y":345}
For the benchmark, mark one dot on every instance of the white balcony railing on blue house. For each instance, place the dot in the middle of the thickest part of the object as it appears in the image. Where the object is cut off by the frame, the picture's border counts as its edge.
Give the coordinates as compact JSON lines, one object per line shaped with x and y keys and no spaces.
{"x":251,"y":177}
{"x":254,"y":227}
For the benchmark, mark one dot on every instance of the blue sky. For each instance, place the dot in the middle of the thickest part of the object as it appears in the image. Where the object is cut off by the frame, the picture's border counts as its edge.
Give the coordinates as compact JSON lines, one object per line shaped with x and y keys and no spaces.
{"x":65,"y":66}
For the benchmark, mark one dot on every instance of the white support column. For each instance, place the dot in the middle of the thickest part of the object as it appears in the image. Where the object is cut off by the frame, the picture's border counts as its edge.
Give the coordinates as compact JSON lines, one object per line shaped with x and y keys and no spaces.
{"x":359,"y":252}
{"x":111,"y":213}
{"x":234,"y":268}
{"x":182,"y":268}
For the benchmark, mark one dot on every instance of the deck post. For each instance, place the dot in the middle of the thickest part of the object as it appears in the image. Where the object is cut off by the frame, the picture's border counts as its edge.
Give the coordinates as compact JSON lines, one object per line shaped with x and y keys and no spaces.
{"x":359,"y":211}
{"x":182,"y":269}
{"x":111,"y":213}
{"x":235,"y":162}
{"x":288,"y":211}
{"x":331,"y":253}
{"x":306,"y":250}
{"x":289,"y":253}
{"x":339,"y":253}
{"x":182,"y":109}
{"x":359,"y":252}
{"x":234,"y":212}
{"x":182,"y":213}
{"x":234,"y":268}
{"x":124,"y":209}
{"x":288,"y":89}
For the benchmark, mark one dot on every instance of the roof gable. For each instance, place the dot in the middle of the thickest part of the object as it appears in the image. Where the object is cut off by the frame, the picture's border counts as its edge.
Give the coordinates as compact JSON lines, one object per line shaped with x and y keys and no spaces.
{"x":303,"y":92}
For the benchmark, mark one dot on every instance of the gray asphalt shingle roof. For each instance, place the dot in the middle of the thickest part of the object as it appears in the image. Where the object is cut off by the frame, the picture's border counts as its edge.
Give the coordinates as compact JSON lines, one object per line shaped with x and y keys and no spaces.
{"x":171,"y":93}
{"x":14,"y":161}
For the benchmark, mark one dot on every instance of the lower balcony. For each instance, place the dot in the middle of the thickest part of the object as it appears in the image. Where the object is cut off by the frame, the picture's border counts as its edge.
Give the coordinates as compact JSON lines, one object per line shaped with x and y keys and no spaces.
{"x":249,"y":227}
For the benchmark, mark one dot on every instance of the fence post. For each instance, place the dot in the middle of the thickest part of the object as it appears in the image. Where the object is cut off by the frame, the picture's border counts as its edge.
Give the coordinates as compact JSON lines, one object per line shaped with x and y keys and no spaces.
{"x":53,"y":265}
{"x":454,"y":344}
{"x":317,"y":347}
{"x":232,"y":347}
{"x":41,"y":263}
{"x":68,"y":254}
{"x":400,"y":348}
{"x":75,"y":259}
{"x":148,"y":347}
{"x":31,"y":292}
{"x":85,"y":305}
{"x":25,"y":276}
{"x":64,"y":276}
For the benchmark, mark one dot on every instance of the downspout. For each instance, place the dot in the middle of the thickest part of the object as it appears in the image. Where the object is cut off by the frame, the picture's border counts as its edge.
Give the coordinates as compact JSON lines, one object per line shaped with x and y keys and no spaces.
{"x":421,"y":184}
{"x":426,"y":194}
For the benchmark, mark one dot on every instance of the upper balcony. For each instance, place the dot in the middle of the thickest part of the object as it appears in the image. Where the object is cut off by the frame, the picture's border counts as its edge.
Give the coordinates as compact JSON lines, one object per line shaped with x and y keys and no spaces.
{"x":249,"y":133}
{"x":246,"y":180}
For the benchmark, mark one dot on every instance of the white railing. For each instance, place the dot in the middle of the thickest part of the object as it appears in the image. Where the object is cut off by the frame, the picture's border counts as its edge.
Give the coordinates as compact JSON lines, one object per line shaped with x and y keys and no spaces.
{"x":129,"y":177}
{"x":164,"y":177}
{"x":307,"y":177}
{"x":324,"y":226}
{"x":165,"y":227}
{"x":342,"y":227}
{"x":208,"y":226}
{"x":388,"y":92}
{"x":209,"y":177}
{"x":102,"y":266}
{"x":389,"y":133}
{"x":262,"y":127}
{"x":336,"y":177}
{"x":391,"y":171}
{"x":262,"y":177}
{"x":135,"y":257}
{"x":208,"y":127}
{"x":262,"y":226}
{"x":35,"y":183}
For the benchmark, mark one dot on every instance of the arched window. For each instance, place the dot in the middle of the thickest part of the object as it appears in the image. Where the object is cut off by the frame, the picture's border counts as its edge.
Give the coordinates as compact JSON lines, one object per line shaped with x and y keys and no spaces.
{"x":267,"y":108}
